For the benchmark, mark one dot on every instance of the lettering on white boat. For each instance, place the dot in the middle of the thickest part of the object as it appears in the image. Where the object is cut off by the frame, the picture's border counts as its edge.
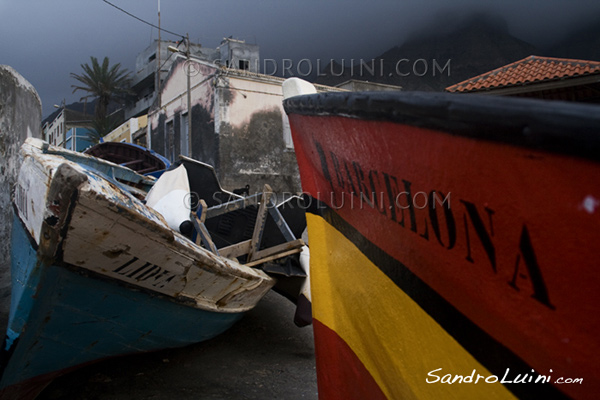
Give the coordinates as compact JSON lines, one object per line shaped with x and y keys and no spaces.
{"x":419,"y":212}
{"x":145,"y":272}
{"x":21,"y":201}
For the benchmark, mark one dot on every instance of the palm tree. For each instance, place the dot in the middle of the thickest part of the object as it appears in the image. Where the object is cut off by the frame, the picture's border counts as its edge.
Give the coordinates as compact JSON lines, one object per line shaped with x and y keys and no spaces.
{"x":105,"y":83}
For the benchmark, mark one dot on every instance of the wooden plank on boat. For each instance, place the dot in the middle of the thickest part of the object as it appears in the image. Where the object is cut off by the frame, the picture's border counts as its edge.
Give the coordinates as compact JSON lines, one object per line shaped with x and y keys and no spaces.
{"x":275,"y":252}
{"x":261,"y":219}
{"x":202,"y":210}
{"x":203,"y":234}
{"x":273,"y":257}
{"x":236,"y":250}
{"x":281,"y":224}
{"x":234,"y":205}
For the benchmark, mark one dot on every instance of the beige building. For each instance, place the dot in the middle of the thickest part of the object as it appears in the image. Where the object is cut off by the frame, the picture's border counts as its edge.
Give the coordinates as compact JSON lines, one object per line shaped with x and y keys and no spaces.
{"x":131,"y":131}
{"x":355,"y":85}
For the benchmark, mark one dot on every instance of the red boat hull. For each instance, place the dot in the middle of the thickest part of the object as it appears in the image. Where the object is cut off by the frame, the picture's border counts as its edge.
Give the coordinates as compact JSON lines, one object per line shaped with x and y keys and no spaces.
{"x":441,"y":256}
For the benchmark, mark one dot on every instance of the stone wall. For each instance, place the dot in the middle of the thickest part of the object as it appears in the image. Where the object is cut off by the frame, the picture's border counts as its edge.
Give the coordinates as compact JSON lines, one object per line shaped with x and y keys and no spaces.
{"x":20,"y":117}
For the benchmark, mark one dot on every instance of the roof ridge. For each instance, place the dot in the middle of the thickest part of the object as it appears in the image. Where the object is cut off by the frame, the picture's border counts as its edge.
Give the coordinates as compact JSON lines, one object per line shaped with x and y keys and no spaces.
{"x":492,"y":72}
{"x":527,"y":70}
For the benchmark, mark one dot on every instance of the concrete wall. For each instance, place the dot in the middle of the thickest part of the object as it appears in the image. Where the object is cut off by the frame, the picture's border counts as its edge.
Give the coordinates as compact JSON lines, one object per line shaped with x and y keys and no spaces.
{"x":20,"y":117}
{"x":233,"y":51}
{"x":354,"y":85}
{"x":250,"y":125}
{"x":144,"y":79}
{"x":238,"y":126}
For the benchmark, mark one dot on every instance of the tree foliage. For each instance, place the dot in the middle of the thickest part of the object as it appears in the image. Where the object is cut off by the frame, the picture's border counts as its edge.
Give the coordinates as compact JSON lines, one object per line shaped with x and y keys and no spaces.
{"x":105,"y":83}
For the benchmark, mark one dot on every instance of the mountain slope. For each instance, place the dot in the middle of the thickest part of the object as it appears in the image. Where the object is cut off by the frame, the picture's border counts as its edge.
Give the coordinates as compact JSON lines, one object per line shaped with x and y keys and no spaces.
{"x":433,"y":62}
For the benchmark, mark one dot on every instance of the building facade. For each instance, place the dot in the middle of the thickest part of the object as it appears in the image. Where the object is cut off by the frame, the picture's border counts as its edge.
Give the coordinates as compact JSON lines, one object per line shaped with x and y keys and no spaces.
{"x":79,"y":139}
{"x":238,"y":125}
{"x":131,"y":131}
{"x":537,"y":77}
{"x":231,"y":53}
{"x":55,"y":130}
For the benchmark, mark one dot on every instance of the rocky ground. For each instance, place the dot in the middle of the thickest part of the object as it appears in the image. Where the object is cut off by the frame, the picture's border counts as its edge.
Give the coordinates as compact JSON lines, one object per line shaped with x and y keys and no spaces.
{"x":264,"y":356}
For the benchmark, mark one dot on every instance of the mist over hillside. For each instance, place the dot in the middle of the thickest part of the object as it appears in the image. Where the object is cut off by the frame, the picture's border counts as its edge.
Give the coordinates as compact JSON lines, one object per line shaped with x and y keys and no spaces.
{"x":450,"y":49}
{"x":442,"y":55}
{"x":582,"y":43}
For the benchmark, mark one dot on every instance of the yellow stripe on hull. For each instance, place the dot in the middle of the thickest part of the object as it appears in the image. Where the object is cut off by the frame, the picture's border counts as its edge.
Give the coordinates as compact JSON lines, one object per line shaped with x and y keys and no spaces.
{"x":398,"y":342}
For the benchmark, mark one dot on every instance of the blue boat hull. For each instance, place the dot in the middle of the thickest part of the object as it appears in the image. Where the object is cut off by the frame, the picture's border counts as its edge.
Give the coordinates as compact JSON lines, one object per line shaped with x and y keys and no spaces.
{"x":62,"y":317}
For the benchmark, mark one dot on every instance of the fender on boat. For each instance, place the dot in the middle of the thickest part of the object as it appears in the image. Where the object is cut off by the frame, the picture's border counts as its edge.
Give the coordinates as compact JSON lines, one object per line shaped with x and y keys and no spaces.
{"x":170,"y":196}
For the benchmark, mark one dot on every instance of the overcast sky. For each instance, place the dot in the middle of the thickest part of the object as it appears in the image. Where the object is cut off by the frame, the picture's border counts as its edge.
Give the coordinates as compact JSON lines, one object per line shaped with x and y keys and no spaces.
{"x":45,"y":40}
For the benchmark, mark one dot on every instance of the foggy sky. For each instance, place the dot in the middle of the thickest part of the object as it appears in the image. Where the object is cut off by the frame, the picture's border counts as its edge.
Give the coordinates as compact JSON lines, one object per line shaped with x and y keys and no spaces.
{"x":45,"y":40}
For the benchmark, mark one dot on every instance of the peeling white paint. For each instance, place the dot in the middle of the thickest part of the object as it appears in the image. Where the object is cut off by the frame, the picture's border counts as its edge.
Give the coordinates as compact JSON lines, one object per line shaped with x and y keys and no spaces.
{"x":112,"y":233}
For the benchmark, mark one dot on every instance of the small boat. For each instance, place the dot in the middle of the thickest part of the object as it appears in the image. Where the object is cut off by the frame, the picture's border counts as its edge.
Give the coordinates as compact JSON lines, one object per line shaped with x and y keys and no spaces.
{"x":98,"y":273}
{"x":454,"y":243}
{"x":140,"y":159}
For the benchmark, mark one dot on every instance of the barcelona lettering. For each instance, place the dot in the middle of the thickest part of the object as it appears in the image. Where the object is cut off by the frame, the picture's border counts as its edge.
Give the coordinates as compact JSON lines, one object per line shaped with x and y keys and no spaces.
{"x":431,"y":214}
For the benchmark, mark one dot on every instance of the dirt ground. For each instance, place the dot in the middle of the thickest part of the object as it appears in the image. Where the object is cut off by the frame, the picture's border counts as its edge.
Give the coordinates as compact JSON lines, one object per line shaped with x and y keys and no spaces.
{"x":264,"y":356}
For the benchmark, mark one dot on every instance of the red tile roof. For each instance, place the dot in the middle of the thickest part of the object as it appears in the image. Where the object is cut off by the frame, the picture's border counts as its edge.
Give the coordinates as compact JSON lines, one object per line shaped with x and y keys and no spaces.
{"x":529,"y":70}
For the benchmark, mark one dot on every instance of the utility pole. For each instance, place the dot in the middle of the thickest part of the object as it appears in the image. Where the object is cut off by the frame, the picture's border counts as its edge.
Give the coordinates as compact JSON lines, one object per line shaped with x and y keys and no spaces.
{"x":189,"y":94}
{"x":157,"y":85}
{"x":187,"y":69}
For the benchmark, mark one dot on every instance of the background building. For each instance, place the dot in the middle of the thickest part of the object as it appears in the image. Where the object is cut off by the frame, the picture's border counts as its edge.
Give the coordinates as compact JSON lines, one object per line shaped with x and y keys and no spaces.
{"x":131,"y":131}
{"x":231,"y":53}
{"x":355,"y":85}
{"x":539,"y":77}
{"x":79,"y":139}
{"x":238,"y":125}
{"x":55,"y":130}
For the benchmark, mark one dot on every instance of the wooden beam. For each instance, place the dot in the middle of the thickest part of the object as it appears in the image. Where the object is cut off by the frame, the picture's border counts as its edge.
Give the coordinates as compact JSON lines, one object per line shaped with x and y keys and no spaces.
{"x":280,"y":248}
{"x":261,"y":219}
{"x":274,"y":257}
{"x":236,"y":250}
{"x":203,"y":234}
{"x":281,"y":224}
{"x":203,"y":209}
{"x":233,"y":205}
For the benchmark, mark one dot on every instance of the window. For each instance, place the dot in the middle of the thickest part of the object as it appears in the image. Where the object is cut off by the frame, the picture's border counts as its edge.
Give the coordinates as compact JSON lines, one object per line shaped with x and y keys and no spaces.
{"x":169,"y":145}
{"x":244,"y":65}
{"x":183,"y":135}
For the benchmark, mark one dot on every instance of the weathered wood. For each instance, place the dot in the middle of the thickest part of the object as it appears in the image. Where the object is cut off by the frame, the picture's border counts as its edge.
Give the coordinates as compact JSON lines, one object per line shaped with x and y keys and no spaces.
{"x":281,"y":224}
{"x":202,"y":210}
{"x":236,"y":250}
{"x":273,"y":257}
{"x":234,"y":205}
{"x":261,"y":219}
{"x":203,"y":234}
{"x":294,"y":244}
